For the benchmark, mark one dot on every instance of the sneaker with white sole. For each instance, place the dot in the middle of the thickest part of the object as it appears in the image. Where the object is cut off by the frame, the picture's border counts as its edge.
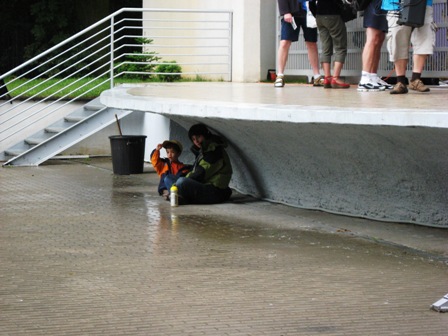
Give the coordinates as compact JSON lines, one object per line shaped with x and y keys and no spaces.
{"x":370,"y":87}
{"x":383,"y":83}
{"x":279,"y":81}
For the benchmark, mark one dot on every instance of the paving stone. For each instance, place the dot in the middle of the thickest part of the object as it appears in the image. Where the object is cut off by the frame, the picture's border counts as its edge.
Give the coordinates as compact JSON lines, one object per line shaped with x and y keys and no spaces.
{"x":87,"y":252}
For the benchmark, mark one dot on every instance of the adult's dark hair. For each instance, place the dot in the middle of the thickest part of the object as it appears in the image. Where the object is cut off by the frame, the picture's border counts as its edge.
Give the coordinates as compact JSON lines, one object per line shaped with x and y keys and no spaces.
{"x":199,"y":129}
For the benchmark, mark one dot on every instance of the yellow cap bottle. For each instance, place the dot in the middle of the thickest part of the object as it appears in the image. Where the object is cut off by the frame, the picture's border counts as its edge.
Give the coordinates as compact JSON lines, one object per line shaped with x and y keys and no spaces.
{"x":174,"y":196}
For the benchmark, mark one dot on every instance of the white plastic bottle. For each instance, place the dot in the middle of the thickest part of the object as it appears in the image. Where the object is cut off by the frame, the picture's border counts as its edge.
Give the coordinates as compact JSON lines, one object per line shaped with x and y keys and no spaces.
{"x":174,"y":196}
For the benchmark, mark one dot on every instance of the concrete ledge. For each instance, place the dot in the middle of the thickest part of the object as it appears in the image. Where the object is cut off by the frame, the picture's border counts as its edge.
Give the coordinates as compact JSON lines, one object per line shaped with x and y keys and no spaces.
{"x":371,"y":155}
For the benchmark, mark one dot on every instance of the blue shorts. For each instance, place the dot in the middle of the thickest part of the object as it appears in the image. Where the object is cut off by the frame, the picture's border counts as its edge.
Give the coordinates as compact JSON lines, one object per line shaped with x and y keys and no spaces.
{"x":288,"y":33}
{"x":375,"y":17}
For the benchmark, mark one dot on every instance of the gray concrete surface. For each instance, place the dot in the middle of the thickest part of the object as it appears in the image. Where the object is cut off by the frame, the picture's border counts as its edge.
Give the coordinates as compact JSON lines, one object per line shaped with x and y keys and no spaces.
{"x":87,"y":252}
{"x":372,"y":155}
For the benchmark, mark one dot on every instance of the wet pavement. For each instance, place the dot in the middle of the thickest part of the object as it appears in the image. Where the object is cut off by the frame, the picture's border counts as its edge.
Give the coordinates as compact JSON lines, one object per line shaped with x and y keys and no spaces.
{"x":87,"y":252}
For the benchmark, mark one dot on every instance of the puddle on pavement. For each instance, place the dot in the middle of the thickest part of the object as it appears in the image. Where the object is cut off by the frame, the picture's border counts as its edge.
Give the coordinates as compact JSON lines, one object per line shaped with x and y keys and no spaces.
{"x":203,"y":235}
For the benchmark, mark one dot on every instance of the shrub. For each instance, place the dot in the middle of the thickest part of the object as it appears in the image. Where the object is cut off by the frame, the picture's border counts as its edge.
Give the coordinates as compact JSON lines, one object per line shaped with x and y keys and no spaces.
{"x":169,"y":71}
{"x":138,"y":62}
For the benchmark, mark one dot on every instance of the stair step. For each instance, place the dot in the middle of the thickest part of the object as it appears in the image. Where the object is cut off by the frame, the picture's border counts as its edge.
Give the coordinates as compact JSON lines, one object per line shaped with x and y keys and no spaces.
{"x":54,"y":129}
{"x":13,"y":152}
{"x":49,"y":142}
{"x":33,"y":141}
{"x":74,"y":119}
{"x":93,"y":106}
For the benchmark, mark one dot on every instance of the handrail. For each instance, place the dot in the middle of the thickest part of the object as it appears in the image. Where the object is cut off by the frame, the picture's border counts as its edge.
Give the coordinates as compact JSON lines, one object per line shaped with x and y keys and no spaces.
{"x":106,"y":51}
{"x":98,"y":23}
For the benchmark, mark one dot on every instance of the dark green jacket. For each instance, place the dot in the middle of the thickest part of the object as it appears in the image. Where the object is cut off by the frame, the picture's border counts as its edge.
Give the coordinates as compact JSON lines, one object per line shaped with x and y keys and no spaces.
{"x":212,"y":164}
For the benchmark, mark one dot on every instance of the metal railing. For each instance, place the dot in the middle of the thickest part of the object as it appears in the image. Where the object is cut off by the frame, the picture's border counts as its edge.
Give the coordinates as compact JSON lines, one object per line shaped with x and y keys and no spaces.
{"x":436,"y":65}
{"x":117,"y":47}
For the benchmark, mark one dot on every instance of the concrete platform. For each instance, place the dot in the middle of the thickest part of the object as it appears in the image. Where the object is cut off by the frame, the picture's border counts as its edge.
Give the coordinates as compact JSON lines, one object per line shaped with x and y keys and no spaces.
{"x":87,"y":252}
{"x":363,"y":154}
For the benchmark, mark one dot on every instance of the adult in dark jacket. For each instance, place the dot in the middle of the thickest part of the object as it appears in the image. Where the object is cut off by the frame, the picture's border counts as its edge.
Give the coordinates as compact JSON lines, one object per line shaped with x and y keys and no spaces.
{"x":208,"y":181}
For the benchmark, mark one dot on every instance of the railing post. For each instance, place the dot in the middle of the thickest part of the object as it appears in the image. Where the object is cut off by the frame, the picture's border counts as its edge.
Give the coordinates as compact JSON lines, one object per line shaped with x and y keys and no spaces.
{"x":111,"y":74}
{"x":230,"y":46}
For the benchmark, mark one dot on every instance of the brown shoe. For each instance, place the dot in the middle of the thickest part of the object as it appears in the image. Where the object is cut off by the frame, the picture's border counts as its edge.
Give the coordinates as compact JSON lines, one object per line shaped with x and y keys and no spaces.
{"x":417,"y":85}
{"x":399,"y":88}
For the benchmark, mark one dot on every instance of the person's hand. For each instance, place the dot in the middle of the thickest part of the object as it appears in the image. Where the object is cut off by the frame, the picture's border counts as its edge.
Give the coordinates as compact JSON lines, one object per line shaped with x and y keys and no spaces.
{"x":159,"y":147}
{"x":287,"y":17}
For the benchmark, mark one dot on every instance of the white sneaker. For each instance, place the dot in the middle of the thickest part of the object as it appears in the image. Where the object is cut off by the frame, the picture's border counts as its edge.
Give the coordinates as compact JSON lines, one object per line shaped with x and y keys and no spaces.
{"x":385,"y":84}
{"x":370,"y":87}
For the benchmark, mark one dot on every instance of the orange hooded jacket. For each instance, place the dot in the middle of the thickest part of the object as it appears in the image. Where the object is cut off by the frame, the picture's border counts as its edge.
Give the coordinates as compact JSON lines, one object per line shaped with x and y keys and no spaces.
{"x":162,"y":166}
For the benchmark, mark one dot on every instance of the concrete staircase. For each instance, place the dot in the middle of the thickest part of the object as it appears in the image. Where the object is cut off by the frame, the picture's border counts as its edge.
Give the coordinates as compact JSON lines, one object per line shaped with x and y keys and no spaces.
{"x":52,"y":140}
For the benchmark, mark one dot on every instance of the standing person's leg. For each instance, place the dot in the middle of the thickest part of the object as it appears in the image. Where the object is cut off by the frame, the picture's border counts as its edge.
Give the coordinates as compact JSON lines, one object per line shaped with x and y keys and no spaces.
{"x":418,"y":64}
{"x":313,"y":57}
{"x":287,"y":36}
{"x":370,"y":58}
{"x":371,"y":55}
{"x":398,"y":42}
{"x":378,"y":42}
{"x":283,"y":52}
{"x":327,"y":48}
{"x":338,"y":34}
{"x":377,"y":37}
{"x":310,"y":37}
{"x":423,"y":41}
{"x":282,"y":57}
{"x":375,"y":24}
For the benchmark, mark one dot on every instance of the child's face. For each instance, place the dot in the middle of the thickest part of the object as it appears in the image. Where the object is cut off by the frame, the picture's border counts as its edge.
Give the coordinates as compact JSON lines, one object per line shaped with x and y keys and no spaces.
{"x":172,"y":154}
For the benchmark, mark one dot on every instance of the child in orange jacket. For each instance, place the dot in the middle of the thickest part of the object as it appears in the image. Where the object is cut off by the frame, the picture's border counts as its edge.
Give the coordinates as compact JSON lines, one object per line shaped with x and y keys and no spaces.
{"x":169,"y":169}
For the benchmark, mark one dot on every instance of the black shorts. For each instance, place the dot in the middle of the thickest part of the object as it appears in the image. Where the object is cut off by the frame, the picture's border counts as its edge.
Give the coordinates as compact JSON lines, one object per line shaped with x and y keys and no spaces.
{"x":288,"y":33}
{"x":375,"y":17}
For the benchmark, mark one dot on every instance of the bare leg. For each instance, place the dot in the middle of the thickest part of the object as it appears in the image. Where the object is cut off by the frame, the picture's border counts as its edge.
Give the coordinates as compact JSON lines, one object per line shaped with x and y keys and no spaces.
{"x":313,"y":56}
{"x":327,"y":69}
{"x":336,"y":83}
{"x":379,"y":39}
{"x":419,"y":63}
{"x":283,"y":52}
{"x":400,"y":67}
{"x":372,"y":50}
{"x":337,"y":69}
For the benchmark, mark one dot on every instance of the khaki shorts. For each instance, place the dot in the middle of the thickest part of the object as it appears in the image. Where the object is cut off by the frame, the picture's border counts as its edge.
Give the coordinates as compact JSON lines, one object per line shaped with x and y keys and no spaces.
{"x":400,"y":38}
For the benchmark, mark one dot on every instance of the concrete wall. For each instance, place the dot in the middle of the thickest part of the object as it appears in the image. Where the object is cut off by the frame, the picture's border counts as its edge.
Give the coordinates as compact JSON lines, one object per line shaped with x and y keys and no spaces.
{"x":351,"y":155}
{"x":385,"y":173}
{"x":253,"y":37}
{"x":268,"y":31}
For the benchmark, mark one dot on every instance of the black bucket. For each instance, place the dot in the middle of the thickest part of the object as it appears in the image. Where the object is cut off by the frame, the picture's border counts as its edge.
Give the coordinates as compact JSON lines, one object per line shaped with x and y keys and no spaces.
{"x":128,"y":152}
